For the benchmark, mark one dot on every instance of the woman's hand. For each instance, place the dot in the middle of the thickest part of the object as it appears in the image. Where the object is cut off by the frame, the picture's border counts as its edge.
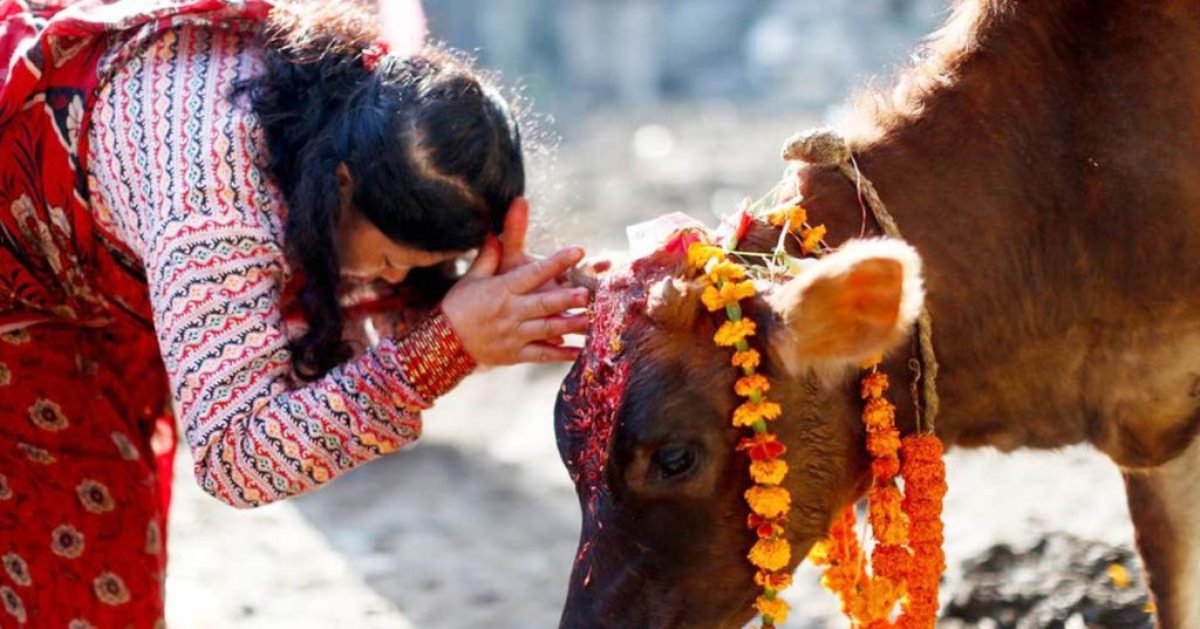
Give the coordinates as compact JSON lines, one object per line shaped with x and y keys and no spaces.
{"x":516,"y":315}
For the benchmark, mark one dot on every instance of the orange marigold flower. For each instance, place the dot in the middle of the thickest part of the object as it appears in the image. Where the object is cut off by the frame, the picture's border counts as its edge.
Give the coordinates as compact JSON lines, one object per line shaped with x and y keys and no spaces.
{"x":774,"y":608}
{"x":929,"y":477}
{"x":747,"y":385}
{"x":923,"y":448}
{"x":762,"y":447}
{"x":731,"y":332}
{"x":929,"y":562}
{"x":750,"y":413}
{"x":698,"y":255}
{"x":748,"y":359}
{"x":884,"y":442}
{"x":888,"y":522}
{"x":774,"y":580}
{"x":921,"y":508}
{"x":724,"y":271}
{"x":891,"y":561}
{"x":812,"y":238}
{"x":878,"y":414}
{"x":769,"y":502}
{"x":730,"y":293}
{"x":770,"y":554}
{"x":874,"y":384}
{"x":769,"y":472}
{"x":923,"y":530}
{"x":885,"y":468}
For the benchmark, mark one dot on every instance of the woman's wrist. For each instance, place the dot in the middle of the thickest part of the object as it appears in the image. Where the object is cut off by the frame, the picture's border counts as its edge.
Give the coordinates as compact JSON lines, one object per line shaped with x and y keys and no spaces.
{"x":432,"y":357}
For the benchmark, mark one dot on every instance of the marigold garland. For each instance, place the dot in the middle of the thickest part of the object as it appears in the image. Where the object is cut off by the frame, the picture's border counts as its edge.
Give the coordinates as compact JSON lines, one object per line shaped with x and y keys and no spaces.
{"x":907,"y":561}
{"x":897,"y":586}
{"x":769,"y":502}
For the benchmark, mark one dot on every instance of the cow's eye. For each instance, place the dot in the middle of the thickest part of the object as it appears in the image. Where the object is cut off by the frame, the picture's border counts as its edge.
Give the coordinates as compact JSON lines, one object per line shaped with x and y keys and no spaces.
{"x":675,"y":460}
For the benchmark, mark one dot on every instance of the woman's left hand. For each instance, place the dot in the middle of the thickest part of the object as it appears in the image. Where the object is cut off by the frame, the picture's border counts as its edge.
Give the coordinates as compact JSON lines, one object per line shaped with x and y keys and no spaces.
{"x":501,"y":319}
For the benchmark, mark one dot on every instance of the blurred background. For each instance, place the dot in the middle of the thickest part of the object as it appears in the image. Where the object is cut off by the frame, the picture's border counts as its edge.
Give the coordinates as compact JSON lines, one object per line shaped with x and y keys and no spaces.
{"x":636,"y":108}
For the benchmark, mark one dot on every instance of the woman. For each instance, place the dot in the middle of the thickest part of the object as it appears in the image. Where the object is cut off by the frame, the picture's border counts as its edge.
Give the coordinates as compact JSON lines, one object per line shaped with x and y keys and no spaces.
{"x":177,"y":181}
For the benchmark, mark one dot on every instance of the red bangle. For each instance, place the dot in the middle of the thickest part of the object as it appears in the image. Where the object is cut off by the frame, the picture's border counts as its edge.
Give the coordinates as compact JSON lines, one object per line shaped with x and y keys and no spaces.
{"x":432,"y":356}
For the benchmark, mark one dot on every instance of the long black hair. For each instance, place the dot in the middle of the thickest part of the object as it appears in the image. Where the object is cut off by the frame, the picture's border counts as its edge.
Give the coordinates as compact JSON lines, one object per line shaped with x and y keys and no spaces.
{"x":432,"y":147}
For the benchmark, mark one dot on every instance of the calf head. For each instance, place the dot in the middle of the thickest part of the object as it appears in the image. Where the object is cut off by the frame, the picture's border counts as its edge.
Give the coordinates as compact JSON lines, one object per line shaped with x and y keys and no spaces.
{"x":643,"y":425}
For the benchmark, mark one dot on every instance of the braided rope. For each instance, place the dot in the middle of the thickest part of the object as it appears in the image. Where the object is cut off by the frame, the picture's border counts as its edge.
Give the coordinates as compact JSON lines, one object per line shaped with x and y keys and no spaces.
{"x":826,"y":148}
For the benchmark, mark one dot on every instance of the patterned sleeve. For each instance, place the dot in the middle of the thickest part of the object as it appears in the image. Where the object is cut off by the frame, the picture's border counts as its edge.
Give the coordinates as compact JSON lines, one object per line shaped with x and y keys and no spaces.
{"x":174,"y":173}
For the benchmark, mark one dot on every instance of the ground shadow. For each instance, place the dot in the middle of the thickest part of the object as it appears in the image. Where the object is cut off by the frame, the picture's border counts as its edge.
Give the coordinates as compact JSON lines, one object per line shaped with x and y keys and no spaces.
{"x":452,"y":538}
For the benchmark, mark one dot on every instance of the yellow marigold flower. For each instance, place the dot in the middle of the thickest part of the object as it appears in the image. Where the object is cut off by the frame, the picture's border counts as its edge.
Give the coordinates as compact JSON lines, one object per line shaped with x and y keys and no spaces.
{"x":725,"y":270}
{"x":881,"y":597}
{"x":749,"y":358}
{"x":888,"y":522}
{"x":731,"y":332}
{"x":770,"y":472}
{"x":699,"y":254}
{"x":820,"y":553}
{"x":773,"y":607}
{"x":750,"y":413}
{"x":812,"y":238}
{"x":746,"y":385}
{"x":769,"y":502}
{"x":770,"y":554}
{"x":796,"y":215}
{"x":775,"y":580}
{"x":730,"y":293}
{"x":1119,"y":576}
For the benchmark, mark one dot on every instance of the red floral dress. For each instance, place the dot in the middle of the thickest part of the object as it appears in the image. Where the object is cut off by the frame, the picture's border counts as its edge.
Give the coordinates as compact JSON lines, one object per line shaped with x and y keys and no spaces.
{"x":141,"y":277}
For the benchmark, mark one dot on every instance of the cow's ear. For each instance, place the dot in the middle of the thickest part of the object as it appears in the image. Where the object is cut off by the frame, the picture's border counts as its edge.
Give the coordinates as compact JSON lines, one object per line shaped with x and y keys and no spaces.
{"x":851,"y":305}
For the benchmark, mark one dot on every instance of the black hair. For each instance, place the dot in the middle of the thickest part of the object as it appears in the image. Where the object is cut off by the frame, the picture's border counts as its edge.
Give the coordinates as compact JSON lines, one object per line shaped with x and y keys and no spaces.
{"x":433,"y":149}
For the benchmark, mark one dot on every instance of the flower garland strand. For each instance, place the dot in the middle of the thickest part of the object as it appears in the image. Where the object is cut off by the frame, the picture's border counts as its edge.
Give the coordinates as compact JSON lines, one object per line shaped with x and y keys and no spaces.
{"x":907,"y":560}
{"x":725,"y":285}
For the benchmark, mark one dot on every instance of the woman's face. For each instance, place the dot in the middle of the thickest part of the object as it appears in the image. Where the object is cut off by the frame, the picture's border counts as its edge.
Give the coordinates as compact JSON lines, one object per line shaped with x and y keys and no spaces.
{"x":366,"y":254}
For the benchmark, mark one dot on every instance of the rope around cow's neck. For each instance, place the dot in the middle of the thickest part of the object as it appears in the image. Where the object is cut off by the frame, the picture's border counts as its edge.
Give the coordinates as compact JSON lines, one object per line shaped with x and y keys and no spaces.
{"x":826,"y":148}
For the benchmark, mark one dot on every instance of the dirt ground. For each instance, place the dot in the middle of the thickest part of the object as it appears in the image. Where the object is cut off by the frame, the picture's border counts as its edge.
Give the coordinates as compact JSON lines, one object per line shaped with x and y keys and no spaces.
{"x":476,"y":525}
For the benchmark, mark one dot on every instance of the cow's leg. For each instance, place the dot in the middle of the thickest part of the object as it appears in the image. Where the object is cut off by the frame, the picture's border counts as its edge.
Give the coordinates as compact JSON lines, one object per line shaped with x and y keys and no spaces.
{"x":1164,"y":503}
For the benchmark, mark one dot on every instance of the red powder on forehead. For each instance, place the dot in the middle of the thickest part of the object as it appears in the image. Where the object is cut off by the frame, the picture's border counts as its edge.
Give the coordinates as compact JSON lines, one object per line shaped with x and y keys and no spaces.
{"x":593,"y":391}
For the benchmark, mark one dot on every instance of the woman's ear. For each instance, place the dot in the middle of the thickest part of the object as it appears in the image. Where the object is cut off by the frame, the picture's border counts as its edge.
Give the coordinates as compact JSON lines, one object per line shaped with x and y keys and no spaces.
{"x":855,"y":303}
{"x":345,"y":183}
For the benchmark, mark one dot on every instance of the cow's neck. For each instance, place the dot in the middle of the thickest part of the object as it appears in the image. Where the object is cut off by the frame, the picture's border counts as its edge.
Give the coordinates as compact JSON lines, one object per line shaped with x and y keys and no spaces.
{"x":968,"y":180}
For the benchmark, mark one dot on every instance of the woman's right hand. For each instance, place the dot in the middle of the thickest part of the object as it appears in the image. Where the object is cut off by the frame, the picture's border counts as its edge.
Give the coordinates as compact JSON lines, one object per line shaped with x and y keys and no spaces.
{"x":503,"y":319}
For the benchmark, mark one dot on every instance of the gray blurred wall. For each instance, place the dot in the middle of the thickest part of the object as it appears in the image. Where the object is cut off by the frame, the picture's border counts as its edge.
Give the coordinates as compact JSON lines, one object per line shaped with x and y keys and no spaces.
{"x":581,"y":55}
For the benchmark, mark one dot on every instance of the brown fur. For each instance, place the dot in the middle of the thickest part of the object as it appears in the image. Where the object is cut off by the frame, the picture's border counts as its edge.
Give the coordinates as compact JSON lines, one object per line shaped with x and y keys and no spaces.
{"x":1042,"y":161}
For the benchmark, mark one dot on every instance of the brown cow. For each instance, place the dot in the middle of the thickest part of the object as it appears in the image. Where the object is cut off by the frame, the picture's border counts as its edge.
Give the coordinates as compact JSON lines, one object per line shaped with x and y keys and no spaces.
{"x":1042,"y":159}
